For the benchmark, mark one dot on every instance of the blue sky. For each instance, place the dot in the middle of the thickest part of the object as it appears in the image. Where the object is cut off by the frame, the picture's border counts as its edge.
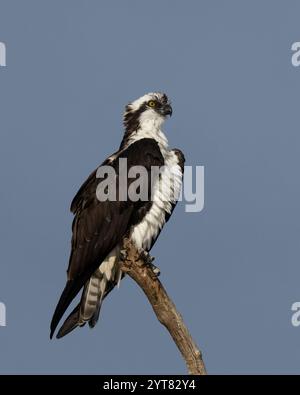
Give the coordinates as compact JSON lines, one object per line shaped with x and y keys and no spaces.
{"x":232,"y":269}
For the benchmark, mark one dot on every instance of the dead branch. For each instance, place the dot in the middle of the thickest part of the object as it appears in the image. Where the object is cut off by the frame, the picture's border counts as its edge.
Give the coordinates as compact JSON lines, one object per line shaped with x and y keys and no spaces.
{"x":134,"y":265}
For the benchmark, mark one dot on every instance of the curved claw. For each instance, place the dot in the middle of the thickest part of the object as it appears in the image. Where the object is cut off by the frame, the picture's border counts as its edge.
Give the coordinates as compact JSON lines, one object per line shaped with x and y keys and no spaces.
{"x":156,"y":270}
{"x":123,"y":255}
{"x":147,"y":258}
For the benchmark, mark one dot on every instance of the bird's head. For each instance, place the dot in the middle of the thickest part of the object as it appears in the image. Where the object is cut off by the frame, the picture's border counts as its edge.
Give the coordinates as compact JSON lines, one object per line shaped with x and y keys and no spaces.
{"x":149,"y":111}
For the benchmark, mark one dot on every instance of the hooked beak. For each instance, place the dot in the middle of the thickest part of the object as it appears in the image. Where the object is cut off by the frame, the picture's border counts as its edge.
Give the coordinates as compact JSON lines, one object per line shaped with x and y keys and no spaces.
{"x":167,"y":110}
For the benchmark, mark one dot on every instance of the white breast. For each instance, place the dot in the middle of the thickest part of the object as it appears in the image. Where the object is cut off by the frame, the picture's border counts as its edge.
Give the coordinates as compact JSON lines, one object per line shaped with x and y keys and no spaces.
{"x":166,"y":191}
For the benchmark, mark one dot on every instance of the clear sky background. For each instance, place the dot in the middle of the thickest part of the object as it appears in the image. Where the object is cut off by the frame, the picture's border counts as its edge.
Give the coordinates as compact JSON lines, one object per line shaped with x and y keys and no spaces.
{"x":233,"y":269}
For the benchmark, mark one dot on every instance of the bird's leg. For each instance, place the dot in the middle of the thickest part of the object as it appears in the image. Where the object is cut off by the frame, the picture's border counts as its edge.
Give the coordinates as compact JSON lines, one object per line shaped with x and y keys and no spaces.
{"x":145,"y":256}
{"x":148,"y":259}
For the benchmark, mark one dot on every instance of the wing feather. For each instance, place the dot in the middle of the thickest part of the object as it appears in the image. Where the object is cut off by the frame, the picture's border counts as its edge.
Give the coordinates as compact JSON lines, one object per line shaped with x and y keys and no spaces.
{"x":98,"y":226}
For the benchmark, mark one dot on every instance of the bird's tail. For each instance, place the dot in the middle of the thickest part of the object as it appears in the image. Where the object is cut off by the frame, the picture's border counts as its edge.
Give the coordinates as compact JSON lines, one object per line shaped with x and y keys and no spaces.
{"x":104,"y":279}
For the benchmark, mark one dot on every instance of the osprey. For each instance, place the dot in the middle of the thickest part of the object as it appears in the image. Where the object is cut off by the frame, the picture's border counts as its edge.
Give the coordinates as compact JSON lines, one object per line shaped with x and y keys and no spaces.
{"x":99,"y":226}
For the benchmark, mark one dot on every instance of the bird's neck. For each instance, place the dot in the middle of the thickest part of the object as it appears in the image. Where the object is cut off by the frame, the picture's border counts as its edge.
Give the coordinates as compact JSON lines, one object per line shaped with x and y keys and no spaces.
{"x":150,"y":128}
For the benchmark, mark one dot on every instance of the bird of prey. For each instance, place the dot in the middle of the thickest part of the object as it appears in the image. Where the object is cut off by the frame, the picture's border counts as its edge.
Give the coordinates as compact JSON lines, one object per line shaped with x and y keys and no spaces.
{"x":100,"y":225}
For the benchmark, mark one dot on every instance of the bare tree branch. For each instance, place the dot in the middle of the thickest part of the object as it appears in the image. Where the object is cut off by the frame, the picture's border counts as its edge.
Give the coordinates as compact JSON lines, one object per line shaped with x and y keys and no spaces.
{"x":165,"y":310}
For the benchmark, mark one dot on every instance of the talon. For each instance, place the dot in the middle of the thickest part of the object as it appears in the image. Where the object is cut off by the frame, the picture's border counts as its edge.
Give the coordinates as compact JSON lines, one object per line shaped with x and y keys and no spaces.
{"x":123,"y":255}
{"x":156,"y":270}
{"x":147,"y":258}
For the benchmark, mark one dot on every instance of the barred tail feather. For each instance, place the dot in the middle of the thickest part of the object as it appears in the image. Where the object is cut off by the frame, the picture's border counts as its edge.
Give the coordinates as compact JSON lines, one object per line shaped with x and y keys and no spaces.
{"x":95,"y":290}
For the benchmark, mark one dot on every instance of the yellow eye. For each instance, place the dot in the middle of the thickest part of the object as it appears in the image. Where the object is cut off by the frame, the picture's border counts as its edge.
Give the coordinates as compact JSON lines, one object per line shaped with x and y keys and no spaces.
{"x":151,"y":103}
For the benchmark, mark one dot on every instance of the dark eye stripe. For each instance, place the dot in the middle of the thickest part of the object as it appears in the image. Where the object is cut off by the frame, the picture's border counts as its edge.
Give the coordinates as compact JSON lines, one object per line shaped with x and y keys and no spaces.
{"x":164,"y":98}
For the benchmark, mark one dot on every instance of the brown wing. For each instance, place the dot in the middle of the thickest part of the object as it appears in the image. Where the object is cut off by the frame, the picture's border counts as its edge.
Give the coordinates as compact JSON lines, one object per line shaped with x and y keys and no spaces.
{"x":99,"y":226}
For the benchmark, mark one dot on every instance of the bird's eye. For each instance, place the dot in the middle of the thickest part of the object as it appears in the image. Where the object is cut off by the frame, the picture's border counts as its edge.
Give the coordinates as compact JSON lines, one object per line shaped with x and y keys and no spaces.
{"x":151,"y":103}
